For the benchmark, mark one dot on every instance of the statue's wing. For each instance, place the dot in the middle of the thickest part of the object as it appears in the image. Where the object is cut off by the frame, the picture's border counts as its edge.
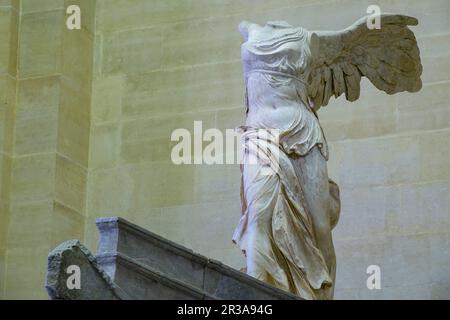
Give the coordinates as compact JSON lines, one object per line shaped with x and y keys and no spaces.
{"x":388,"y":57}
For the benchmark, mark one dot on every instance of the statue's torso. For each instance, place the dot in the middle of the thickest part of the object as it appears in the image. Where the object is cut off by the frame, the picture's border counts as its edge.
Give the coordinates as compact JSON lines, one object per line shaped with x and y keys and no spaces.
{"x":276,"y":63}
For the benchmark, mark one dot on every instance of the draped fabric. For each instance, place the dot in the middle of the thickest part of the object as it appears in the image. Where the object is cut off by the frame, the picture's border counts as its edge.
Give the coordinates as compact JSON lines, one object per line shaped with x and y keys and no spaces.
{"x":275,"y":230}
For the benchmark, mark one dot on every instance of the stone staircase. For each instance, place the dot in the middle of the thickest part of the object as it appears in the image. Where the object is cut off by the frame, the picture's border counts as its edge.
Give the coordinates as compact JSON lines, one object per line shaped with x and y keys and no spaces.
{"x":134,"y":263}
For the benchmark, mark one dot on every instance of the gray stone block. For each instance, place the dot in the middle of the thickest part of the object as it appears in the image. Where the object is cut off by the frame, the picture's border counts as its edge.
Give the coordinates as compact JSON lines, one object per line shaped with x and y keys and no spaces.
{"x":94,"y":282}
{"x":227,"y":283}
{"x":120,"y":238}
{"x":144,"y":283}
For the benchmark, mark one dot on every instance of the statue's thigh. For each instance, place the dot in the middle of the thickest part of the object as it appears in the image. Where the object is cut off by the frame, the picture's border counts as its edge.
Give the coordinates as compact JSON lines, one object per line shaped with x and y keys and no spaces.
{"x":261,"y":192}
{"x":312,"y":173}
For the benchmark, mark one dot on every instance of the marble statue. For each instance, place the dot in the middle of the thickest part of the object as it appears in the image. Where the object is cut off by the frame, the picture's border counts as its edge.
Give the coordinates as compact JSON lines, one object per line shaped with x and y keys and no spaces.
{"x":290,"y":72}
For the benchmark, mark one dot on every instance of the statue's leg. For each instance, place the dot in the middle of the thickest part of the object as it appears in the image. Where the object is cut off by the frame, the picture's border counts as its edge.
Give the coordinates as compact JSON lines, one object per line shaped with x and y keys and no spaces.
{"x":261,"y":193}
{"x":312,"y":173}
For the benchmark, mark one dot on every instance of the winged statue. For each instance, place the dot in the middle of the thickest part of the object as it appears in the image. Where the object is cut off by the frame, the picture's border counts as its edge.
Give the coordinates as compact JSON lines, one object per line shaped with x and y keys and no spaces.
{"x":285,"y":230}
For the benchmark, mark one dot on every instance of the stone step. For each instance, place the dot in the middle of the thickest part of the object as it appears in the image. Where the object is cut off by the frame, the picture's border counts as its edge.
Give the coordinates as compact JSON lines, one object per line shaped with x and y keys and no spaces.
{"x":138,"y":281}
{"x":127,"y":252}
{"x":135,"y":281}
{"x":134,"y":263}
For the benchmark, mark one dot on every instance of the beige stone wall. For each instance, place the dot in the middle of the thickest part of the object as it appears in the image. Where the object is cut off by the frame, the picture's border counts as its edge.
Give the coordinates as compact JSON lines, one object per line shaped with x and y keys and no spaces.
{"x":45,"y":137}
{"x":94,"y":110}
{"x":8,"y":18}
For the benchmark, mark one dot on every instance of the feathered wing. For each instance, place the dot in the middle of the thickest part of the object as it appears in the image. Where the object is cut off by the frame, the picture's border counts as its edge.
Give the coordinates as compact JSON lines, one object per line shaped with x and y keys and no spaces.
{"x":388,"y":57}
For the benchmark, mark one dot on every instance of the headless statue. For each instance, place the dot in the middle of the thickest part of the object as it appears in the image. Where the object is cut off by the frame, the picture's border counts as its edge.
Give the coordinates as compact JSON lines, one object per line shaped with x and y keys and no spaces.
{"x":290,"y":72}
